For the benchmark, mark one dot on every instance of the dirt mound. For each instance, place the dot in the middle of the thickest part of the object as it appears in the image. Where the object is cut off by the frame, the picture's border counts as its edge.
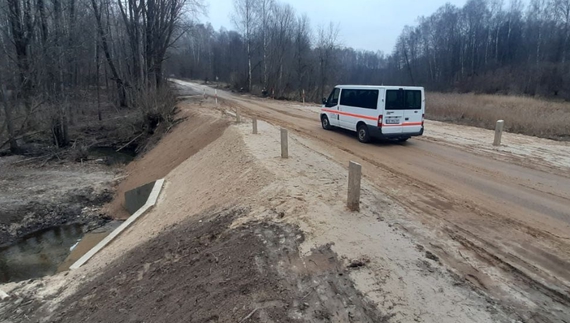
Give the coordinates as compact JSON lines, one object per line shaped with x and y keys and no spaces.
{"x":185,"y":140}
{"x":202,"y":271}
{"x":220,"y":175}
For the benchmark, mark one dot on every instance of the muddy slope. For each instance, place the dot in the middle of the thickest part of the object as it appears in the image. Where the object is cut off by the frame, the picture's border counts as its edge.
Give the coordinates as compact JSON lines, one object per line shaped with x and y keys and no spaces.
{"x":33,"y":198}
{"x":202,"y":271}
{"x":175,"y":147}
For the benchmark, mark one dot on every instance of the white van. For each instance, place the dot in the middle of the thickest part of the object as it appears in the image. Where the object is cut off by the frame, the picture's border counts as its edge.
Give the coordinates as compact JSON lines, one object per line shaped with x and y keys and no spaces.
{"x":383,"y":112}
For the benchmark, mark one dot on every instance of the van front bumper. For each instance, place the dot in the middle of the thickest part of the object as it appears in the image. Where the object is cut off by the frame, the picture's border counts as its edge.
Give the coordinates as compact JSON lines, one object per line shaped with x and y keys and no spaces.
{"x":376,"y":132}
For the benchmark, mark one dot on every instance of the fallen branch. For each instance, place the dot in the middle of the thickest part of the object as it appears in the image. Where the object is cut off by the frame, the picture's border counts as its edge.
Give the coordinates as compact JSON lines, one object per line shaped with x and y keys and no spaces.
{"x":26,"y":160}
{"x":4,"y":124}
{"x":248,"y":315}
{"x":4,"y":144}
{"x":177,"y":121}
{"x":48,"y":159}
{"x":128,"y":143}
{"x":19,"y":137}
{"x":32,"y":111}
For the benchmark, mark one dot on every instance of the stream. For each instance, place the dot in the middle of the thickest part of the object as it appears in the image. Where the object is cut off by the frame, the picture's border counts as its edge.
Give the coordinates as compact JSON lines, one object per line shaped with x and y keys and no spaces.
{"x":48,"y":251}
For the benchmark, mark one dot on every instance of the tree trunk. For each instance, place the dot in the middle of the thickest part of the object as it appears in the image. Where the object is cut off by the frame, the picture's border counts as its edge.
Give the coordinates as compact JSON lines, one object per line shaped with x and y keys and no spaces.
{"x":9,"y":121}
{"x":70,"y":61}
{"x":565,"y":45}
{"x":408,"y":65}
{"x":97,"y":69}
{"x":21,"y":26}
{"x":322,"y":79}
{"x":119,"y":82}
{"x":248,"y":66}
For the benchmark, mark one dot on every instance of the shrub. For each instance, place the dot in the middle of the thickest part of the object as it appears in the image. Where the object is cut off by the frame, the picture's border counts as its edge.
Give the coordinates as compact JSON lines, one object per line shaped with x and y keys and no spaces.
{"x":525,"y":115}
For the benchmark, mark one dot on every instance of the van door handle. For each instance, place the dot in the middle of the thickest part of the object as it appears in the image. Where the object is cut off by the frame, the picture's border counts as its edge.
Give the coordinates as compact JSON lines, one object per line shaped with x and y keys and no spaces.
{"x":407,"y":119}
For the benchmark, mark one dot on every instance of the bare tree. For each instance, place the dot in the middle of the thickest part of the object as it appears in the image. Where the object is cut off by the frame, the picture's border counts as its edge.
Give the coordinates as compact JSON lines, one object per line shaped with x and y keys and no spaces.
{"x":245,"y":20}
{"x":121,"y":91}
{"x":265,"y":10}
{"x":9,"y":120}
{"x":21,"y":27}
{"x":160,"y":22}
{"x":281,"y":40}
{"x":562,"y":13}
{"x":327,"y":43}
{"x":302,"y":53}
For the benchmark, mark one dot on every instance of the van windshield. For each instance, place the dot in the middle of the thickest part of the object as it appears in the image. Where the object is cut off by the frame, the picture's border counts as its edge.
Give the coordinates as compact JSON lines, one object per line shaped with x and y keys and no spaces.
{"x":403,"y":100}
{"x":333,"y":98}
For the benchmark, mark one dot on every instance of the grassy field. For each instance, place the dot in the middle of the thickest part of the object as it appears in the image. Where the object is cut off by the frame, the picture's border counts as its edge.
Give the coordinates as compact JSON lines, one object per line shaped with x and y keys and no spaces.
{"x":523,"y":115}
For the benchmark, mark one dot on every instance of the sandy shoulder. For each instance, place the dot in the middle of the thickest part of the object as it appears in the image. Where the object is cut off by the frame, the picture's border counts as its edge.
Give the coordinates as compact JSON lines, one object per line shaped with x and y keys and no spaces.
{"x":309,"y":190}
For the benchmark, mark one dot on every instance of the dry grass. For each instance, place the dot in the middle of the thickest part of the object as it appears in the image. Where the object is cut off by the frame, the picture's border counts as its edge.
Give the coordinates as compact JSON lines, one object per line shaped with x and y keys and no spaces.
{"x":523,"y":115}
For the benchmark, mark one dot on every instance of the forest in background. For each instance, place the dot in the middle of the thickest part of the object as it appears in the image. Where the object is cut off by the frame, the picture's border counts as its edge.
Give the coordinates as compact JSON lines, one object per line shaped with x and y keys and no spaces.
{"x":486,"y":46}
{"x":66,"y":62}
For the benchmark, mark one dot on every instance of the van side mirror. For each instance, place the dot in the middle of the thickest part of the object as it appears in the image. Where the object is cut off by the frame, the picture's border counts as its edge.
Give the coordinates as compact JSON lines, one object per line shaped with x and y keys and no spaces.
{"x":324,"y":100}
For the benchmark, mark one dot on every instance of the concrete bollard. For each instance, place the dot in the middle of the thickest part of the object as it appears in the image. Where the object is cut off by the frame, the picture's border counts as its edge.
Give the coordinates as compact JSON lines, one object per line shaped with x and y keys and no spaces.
{"x":353,"y":198}
{"x":284,"y":144}
{"x":238,"y":118}
{"x":216,"y":95}
{"x":498,"y":132}
{"x":254,"y":124}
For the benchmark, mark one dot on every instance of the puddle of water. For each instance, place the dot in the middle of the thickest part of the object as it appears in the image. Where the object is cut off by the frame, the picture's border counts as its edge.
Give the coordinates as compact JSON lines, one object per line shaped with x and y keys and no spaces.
{"x":37,"y":254}
{"x":48,"y":251}
{"x":111,"y":156}
{"x":89,"y":241}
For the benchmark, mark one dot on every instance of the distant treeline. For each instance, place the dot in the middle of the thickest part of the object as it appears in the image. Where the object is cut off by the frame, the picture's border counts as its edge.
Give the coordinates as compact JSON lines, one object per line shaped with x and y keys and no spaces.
{"x":487,"y":46}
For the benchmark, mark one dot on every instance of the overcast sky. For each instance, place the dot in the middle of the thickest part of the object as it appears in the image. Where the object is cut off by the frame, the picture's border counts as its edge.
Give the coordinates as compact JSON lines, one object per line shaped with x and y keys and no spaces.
{"x":364,"y":24}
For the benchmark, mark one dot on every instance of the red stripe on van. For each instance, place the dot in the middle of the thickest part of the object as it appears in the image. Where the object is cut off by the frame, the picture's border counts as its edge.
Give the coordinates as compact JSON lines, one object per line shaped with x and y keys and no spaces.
{"x":371,"y":118}
{"x":405,"y":124}
{"x":350,"y":114}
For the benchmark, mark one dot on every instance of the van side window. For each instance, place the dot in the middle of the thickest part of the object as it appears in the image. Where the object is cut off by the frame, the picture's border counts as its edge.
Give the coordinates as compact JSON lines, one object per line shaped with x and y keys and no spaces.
{"x":333,"y":98}
{"x":367,"y":99}
{"x":403,"y":100}
{"x":413,"y":100}
{"x":393,"y":100}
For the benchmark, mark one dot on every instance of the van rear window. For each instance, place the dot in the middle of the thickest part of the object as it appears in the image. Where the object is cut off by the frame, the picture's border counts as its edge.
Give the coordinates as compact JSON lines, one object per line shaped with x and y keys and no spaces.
{"x":367,"y":99}
{"x":403,"y":100}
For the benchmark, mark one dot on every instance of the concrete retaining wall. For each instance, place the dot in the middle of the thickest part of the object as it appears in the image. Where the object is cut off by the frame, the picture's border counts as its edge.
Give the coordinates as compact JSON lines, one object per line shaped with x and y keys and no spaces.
{"x":150,"y":202}
{"x":136,"y":198}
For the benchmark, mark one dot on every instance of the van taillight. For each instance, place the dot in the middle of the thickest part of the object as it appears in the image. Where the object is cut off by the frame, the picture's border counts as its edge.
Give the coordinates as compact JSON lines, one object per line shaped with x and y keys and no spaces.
{"x":423,"y":114}
{"x":380,"y":121}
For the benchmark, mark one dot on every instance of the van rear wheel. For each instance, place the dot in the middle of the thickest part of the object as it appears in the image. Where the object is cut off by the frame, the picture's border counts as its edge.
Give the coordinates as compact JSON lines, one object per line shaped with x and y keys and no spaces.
{"x":325,"y":123}
{"x":363,"y":133}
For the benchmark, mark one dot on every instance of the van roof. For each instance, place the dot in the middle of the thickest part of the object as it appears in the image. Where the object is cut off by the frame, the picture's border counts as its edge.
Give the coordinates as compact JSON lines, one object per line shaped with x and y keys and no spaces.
{"x":380,"y":87}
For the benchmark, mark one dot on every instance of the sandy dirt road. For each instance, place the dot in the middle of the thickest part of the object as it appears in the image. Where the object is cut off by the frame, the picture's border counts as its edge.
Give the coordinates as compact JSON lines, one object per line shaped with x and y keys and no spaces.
{"x":503,"y":224}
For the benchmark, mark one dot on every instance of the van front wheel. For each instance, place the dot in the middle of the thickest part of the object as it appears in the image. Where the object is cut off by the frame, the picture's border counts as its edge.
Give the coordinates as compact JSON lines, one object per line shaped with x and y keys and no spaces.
{"x":325,"y":123}
{"x":363,"y":133}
